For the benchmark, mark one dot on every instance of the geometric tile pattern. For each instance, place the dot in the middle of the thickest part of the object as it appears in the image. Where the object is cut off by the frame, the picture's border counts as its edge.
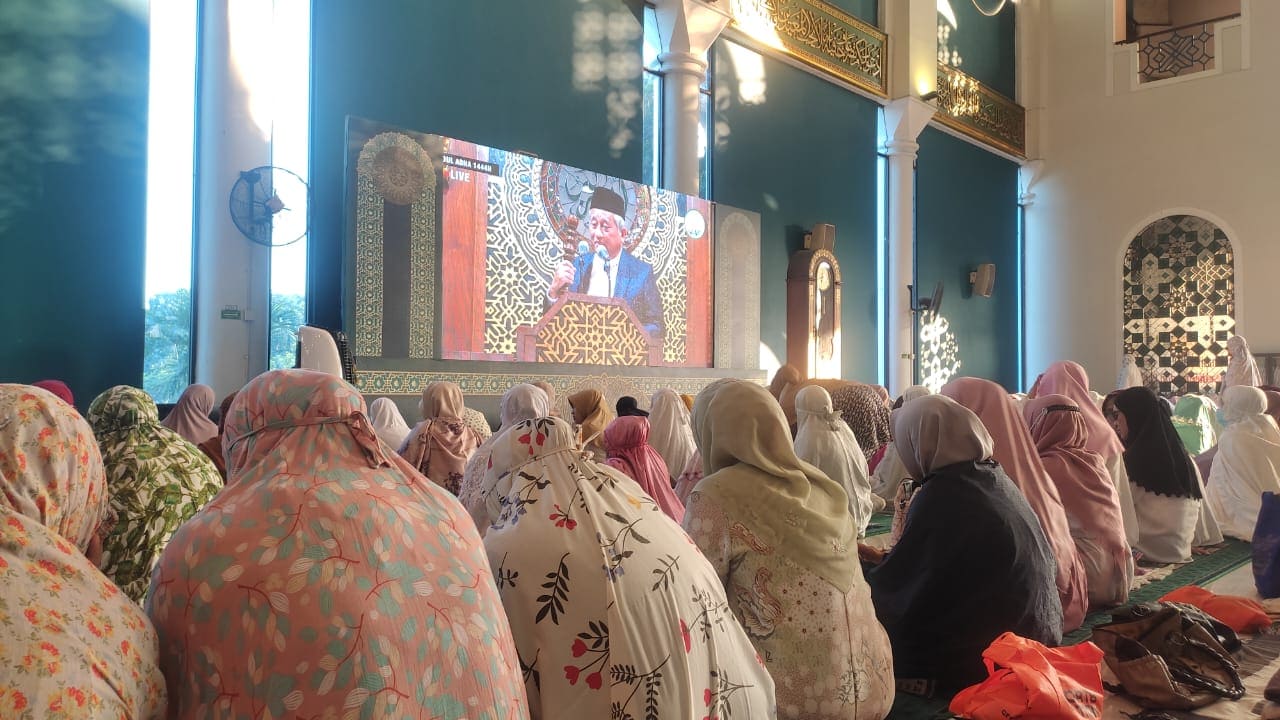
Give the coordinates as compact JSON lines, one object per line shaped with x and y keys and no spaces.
{"x":591,"y":333}
{"x":1175,"y":53}
{"x":394,"y":167}
{"x":737,"y":288}
{"x":367,"y":334}
{"x":1179,"y":303}
{"x":409,"y":383}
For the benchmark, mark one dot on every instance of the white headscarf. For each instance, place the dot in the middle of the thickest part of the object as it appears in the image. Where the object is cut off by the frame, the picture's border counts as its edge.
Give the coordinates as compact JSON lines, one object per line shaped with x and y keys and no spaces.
{"x":1247,"y":463}
{"x":826,"y":442}
{"x":1130,"y":373}
{"x":1242,"y":369}
{"x":388,"y":422}
{"x":522,"y":402}
{"x":670,"y":432}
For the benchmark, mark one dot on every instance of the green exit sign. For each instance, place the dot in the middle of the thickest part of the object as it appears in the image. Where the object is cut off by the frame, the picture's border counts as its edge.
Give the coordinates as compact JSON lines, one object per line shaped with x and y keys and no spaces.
{"x":231,"y":312}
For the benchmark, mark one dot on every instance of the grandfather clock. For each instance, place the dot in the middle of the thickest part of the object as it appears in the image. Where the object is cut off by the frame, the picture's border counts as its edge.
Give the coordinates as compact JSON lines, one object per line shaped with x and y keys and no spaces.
{"x":813,"y":305}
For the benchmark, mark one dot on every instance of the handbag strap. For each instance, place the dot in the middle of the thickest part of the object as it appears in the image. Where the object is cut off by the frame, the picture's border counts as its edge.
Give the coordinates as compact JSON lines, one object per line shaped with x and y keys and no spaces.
{"x":1185,"y":676}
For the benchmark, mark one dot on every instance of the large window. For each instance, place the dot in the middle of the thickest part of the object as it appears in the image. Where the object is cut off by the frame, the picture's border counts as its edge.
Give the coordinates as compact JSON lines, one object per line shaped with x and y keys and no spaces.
{"x":653,"y":107}
{"x":290,"y":85}
{"x":171,"y":114}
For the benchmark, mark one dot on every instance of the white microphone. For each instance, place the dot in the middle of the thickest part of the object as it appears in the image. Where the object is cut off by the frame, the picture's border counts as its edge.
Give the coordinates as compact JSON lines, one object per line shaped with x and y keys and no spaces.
{"x":583,"y":248}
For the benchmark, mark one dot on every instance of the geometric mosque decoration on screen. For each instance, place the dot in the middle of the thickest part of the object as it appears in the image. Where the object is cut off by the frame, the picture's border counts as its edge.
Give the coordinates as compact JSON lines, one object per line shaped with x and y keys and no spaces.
{"x":537,"y":205}
{"x":1179,"y":303}
{"x":588,"y":333}
{"x":939,"y":351}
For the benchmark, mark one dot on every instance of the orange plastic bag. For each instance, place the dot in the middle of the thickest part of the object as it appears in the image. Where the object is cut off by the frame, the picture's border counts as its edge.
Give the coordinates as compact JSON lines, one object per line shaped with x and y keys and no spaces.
{"x":1238,"y":613}
{"x":1033,"y":682}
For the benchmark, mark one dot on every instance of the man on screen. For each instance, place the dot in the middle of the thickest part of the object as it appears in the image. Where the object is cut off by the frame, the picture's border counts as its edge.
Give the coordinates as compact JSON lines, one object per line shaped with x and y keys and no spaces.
{"x":608,"y":270}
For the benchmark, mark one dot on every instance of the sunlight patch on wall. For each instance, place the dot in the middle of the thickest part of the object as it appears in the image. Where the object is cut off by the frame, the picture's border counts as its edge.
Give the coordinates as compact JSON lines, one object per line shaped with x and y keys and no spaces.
{"x":939,"y":352}
{"x":606,"y":59}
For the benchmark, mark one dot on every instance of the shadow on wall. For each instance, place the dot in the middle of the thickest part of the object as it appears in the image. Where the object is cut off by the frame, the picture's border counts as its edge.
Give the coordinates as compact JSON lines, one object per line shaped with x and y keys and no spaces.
{"x":606,"y":60}
{"x":64,"y":90}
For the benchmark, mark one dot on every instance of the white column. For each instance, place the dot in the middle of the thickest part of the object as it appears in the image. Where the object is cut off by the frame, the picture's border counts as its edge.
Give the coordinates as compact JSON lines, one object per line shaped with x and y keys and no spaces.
{"x":686,"y":29}
{"x":230,"y":270}
{"x":913,"y":71}
{"x":1028,"y":174}
{"x":904,"y":119}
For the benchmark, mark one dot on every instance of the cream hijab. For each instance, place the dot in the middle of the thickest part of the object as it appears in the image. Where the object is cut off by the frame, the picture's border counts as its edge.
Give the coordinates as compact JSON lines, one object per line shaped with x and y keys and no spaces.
{"x":751,"y":470}
{"x":670,"y":432}
{"x":1242,"y":369}
{"x":1247,"y":463}
{"x":934,"y":431}
{"x":522,"y":402}
{"x":388,"y":422}
{"x":825,"y":441}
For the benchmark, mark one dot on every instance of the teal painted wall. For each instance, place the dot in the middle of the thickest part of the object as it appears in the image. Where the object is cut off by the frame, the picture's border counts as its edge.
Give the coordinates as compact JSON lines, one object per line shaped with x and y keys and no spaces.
{"x":73,"y":197}
{"x":805,"y":155}
{"x":986,"y":44}
{"x":559,"y":78}
{"x":967,"y":214}
{"x":865,"y":10}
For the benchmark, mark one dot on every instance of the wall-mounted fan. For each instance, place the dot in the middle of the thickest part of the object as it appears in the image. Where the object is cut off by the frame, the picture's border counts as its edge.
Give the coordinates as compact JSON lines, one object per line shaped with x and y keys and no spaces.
{"x":269,"y":205}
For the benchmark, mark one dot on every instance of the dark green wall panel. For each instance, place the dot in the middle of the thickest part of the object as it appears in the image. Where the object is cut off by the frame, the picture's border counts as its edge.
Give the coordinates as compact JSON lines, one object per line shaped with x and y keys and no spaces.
{"x":967,"y":214}
{"x":559,"y":78}
{"x":865,"y":10}
{"x":804,"y":155}
{"x":73,"y":197}
{"x":985,"y":44}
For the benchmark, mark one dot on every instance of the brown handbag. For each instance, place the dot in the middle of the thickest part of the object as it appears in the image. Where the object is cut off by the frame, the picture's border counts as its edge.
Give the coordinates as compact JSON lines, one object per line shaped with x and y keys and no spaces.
{"x":1170,"y":656}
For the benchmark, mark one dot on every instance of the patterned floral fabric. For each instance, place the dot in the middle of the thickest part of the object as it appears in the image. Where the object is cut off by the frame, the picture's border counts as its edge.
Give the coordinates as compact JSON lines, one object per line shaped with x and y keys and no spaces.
{"x":441,"y":444}
{"x":157,"y":481}
{"x":826,"y":650}
{"x":864,"y":411}
{"x":329,"y":579}
{"x":615,"y":613}
{"x":521,"y":402}
{"x":476,"y":420}
{"x":73,"y":645}
{"x":808,"y":612}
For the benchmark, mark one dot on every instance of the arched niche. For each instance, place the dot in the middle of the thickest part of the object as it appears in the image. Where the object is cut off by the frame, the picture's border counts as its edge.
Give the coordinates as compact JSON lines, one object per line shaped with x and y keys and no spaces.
{"x":1179,"y":303}
{"x":813,"y":306}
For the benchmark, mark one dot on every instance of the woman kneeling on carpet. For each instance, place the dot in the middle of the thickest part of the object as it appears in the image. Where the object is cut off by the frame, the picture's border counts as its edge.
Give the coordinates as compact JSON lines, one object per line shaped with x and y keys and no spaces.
{"x":779,"y":534}
{"x":968,"y":527}
{"x":1166,"y":487}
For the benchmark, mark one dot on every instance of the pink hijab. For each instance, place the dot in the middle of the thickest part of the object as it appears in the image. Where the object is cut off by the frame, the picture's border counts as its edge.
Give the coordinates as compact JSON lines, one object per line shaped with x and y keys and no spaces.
{"x":59,"y":388}
{"x":1069,"y":379}
{"x":1089,"y":497}
{"x":190,"y":417}
{"x":1017,"y":455}
{"x":627,"y":442}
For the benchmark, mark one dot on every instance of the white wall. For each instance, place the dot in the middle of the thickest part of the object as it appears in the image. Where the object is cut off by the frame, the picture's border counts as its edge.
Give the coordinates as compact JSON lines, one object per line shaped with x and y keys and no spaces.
{"x":1209,"y":146}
